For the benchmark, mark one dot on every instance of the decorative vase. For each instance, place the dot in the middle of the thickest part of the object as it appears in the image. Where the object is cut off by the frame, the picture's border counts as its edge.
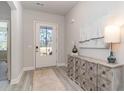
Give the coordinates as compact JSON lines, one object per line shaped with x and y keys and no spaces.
{"x":74,"y":50}
{"x":111,"y":58}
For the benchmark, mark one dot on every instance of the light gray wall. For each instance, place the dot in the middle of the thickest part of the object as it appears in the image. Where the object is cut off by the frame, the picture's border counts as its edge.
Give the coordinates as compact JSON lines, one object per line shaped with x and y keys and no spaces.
{"x":5,"y":11}
{"x":29,"y":16}
{"x":85,"y":13}
{"x":16,"y":41}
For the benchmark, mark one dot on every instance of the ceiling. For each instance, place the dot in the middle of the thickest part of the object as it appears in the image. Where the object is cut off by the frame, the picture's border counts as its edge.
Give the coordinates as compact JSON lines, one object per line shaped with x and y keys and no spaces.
{"x":55,"y":7}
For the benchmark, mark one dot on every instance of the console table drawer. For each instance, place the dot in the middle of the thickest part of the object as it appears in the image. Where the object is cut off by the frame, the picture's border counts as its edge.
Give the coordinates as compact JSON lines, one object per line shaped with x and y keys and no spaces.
{"x":92,"y":79}
{"x":77,"y":63}
{"x":83,"y":74}
{"x":83,"y":84}
{"x":70,"y":71}
{"x":87,"y":86}
{"x":77,"y":73}
{"x":91,"y":68}
{"x":105,"y":72}
{"x":77,"y":79}
{"x":91,"y":87}
{"x":83,"y":64}
{"x":104,"y":85}
{"x":70,"y":59}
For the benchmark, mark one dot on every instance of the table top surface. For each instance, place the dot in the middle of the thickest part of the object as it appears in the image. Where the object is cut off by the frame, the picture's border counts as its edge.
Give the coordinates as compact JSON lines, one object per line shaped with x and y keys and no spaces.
{"x":97,"y":61}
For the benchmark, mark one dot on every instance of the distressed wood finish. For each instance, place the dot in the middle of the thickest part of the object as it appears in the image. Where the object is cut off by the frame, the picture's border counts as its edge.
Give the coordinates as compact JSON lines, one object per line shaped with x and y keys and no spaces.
{"x":93,"y":75}
{"x":70,"y":67}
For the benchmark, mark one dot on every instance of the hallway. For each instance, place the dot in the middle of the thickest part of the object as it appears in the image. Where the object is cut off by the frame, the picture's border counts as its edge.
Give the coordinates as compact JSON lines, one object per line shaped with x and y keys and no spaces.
{"x":26,"y":83}
{"x":61,"y":46}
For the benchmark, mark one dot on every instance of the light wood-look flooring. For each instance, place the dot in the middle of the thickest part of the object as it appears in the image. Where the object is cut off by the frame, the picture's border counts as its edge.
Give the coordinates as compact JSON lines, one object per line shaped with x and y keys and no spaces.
{"x":26,"y":82}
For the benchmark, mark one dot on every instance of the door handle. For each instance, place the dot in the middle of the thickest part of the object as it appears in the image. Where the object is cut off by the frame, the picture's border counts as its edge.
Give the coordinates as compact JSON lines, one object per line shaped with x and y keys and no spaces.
{"x":36,"y":48}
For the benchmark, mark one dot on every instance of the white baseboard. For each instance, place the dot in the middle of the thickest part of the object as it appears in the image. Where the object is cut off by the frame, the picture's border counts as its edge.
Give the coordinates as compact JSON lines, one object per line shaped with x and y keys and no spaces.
{"x":61,"y":64}
{"x":16,"y":80}
{"x":28,"y":68}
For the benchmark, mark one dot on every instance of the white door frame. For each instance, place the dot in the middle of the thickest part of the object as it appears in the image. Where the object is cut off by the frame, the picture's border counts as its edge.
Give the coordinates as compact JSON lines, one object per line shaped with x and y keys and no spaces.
{"x":34,"y":29}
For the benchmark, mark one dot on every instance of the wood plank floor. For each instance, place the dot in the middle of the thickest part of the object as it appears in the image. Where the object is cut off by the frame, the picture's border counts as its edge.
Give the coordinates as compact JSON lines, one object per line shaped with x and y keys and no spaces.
{"x":26,"y":82}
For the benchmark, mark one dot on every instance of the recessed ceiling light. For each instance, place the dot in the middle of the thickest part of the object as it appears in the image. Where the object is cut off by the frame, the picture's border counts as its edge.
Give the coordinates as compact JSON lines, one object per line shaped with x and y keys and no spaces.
{"x":40,"y":4}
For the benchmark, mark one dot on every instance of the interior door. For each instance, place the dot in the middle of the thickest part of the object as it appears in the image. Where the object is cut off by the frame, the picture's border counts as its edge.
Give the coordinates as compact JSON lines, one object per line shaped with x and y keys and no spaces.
{"x":45,"y":45}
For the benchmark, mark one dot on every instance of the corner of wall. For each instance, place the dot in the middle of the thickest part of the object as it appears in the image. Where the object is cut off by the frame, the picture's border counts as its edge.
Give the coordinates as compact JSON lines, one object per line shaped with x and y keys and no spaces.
{"x":18,"y":79}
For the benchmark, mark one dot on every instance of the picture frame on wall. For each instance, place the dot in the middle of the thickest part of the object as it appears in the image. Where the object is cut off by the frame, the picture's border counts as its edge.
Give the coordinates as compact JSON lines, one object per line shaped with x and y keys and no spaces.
{"x":92,"y":35}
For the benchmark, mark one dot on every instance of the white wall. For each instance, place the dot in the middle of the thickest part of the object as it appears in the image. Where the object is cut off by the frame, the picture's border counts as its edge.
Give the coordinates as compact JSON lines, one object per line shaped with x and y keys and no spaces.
{"x":29,"y":16}
{"x":16,"y":42}
{"x":86,"y":13}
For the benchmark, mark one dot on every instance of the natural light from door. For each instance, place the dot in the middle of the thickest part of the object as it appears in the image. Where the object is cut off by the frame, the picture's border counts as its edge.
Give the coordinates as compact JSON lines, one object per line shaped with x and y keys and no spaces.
{"x":46,"y":41}
{"x":3,"y":35}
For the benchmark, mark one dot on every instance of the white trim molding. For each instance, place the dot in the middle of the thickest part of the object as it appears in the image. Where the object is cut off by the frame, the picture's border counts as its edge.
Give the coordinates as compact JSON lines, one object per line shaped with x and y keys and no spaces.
{"x":28,"y":68}
{"x":17,"y":80}
{"x":61,"y":64}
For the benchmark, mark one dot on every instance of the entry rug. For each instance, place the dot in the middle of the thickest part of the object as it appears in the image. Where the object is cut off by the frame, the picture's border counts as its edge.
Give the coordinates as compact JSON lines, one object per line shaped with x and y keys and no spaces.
{"x":46,"y":80}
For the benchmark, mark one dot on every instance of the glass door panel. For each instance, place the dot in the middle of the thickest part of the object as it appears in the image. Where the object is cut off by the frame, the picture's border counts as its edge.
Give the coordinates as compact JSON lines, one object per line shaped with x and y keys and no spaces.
{"x":46,"y":41}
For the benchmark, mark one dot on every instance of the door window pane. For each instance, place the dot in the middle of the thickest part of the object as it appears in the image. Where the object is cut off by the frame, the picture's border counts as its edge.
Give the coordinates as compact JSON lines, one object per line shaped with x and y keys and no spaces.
{"x":45,"y":41}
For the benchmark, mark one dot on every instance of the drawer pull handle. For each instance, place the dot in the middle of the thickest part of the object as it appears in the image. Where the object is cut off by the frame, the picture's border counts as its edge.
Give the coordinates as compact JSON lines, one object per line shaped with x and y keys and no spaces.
{"x":83,"y":64}
{"x":76,"y":78}
{"x":103,"y":72}
{"x":103,"y":85}
{"x":91,"y":89}
{"x":83,"y":82}
{"x":91,"y":68}
{"x":91,"y":78}
{"x":76,"y":70}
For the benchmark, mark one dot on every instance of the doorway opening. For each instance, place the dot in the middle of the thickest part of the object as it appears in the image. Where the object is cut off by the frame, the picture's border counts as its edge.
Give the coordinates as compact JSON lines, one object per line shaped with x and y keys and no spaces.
{"x":5,"y":15}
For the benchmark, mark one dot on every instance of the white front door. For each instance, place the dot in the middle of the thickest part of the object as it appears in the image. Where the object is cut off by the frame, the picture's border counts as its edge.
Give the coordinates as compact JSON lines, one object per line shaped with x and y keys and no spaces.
{"x":45,"y":44}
